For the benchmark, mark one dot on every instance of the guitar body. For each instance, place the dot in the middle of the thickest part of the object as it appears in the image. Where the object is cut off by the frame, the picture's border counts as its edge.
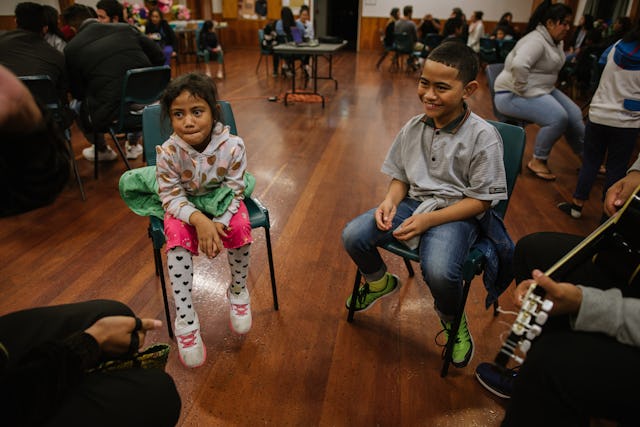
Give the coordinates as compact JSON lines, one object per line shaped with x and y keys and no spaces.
{"x":614,"y":247}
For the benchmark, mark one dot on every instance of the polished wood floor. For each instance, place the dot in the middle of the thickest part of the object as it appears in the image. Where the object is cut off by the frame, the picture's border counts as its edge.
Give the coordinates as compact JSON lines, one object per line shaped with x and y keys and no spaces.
{"x":303,"y":365}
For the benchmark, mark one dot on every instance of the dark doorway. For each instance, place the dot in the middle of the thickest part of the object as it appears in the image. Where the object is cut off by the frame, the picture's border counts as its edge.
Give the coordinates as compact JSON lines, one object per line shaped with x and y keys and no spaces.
{"x":342,"y":20}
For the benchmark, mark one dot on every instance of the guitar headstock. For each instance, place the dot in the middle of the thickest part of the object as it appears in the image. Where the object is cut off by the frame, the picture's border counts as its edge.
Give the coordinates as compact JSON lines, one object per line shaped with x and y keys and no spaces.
{"x":527,"y":326}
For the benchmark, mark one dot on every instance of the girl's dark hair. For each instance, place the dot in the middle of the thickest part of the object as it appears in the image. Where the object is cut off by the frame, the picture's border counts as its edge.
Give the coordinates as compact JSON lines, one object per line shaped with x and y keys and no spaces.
{"x":206,"y":26}
{"x":197,"y":84}
{"x":155,"y":9}
{"x":633,"y":34}
{"x":503,"y":18}
{"x":395,"y":12}
{"x":546,"y":11}
{"x":478,"y":14}
{"x":625,"y":26}
{"x":51,"y":20}
{"x":459,"y":56}
{"x":286,"y":15}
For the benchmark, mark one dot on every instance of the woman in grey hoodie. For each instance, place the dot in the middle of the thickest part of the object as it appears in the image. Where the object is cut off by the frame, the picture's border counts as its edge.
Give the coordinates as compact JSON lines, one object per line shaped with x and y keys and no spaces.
{"x":526,"y":87}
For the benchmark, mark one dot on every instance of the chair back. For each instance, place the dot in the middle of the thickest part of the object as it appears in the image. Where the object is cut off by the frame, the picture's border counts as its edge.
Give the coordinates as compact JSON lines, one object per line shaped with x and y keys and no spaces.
{"x":489,"y":50}
{"x":504,"y":47}
{"x":260,"y":40}
{"x":403,"y":42}
{"x":432,"y":40}
{"x":44,"y":90}
{"x":513,"y":140}
{"x":156,"y":129}
{"x":492,"y":71}
{"x":141,"y":86}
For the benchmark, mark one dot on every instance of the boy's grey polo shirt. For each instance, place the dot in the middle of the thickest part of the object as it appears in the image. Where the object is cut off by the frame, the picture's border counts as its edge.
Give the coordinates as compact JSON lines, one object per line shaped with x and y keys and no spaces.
{"x":463,"y":159}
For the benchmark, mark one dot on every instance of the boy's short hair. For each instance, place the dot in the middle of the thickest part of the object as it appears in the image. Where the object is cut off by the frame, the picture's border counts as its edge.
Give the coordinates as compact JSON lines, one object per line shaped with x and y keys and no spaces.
{"x":30,"y":16}
{"x":459,"y":56}
{"x":407,"y":11}
{"x":112,"y":8}
{"x":197,"y":84}
{"x":76,"y":14}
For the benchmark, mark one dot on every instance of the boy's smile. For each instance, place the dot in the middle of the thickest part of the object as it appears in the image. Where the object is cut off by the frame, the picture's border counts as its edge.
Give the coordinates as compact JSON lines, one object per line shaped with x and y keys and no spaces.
{"x":442,"y":93}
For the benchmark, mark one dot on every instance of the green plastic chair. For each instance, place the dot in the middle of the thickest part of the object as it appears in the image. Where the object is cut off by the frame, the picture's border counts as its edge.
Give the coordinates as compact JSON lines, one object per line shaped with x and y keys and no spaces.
{"x":514,"y":140}
{"x":155,"y":132}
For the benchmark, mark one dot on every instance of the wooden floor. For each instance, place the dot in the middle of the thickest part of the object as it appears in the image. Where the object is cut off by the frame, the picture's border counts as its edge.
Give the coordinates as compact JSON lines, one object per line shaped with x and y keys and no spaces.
{"x":303,"y":365}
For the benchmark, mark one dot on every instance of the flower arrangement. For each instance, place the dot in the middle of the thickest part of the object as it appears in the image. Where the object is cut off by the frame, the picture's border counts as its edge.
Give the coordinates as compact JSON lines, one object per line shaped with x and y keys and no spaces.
{"x":181,"y":12}
{"x":136,"y":14}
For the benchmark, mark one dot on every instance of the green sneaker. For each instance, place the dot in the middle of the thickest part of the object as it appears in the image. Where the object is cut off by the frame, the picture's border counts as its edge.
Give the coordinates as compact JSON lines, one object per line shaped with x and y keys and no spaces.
{"x":366,"y":298}
{"x":463,"y":346}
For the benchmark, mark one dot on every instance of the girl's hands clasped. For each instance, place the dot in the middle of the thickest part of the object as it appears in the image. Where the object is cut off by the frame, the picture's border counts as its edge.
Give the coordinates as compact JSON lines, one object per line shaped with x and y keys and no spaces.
{"x":209,"y":234}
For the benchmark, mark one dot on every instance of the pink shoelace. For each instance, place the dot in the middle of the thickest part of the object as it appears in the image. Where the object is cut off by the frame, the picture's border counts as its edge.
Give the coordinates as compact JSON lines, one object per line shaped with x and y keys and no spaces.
{"x":188,"y":340}
{"x":240,"y":309}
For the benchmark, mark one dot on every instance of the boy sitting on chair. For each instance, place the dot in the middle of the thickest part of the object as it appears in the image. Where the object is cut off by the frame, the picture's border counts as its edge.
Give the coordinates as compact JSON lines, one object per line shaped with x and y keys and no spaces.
{"x":446,"y":170}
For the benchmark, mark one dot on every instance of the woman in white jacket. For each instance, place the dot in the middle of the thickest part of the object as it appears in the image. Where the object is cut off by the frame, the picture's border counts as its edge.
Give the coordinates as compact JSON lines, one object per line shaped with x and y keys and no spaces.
{"x":526,"y":87}
{"x":476,"y":30}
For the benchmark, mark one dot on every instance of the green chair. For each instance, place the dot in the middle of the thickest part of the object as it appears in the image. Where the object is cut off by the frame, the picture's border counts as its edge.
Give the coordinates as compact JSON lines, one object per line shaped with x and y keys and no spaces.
{"x":156,"y":131}
{"x":140,"y":87}
{"x":514,"y":140}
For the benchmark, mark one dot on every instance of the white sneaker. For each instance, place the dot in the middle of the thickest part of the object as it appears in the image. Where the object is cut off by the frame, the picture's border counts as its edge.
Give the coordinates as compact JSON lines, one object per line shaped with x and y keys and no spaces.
{"x":191,"y":349}
{"x":134,"y":151}
{"x":239,"y":311}
{"x":220,"y":75}
{"x":107,"y":155}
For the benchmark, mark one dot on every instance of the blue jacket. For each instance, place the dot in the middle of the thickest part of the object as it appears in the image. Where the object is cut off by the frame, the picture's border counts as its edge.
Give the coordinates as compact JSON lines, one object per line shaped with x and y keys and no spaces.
{"x":497,"y":247}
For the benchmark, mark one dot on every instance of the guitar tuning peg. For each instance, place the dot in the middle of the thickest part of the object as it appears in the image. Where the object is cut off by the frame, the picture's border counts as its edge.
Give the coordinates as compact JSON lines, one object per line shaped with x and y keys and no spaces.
{"x":524,"y":346}
{"x":547,"y":305}
{"x":542,"y":318}
{"x":533,"y":332}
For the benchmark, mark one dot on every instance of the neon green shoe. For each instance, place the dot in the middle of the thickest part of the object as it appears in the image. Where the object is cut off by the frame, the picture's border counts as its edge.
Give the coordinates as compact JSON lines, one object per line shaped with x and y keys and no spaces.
{"x":366,"y":297}
{"x":463,"y":346}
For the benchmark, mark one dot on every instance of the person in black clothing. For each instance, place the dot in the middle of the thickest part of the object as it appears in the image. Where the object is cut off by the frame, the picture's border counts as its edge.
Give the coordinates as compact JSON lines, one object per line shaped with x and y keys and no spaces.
{"x":428,"y":25}
{"x":159,"y":30}
{"x":25,"y":52}
{"x":98,"y":58}
{"x":387,"y":38}
{"x":209,"y":44}
{"x":47,"y":375}
{"x":34,"y":160}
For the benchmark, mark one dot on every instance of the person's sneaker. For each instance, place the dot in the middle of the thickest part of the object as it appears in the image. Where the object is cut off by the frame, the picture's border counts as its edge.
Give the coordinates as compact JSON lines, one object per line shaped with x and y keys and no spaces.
{"x":365,"y":297}
{"x":463,"y":345}
{"x":496,"y":379}
{"x":191,"y":349}
{"x":239,"y":311}
{"x":134,"y":151}
{"x":220,"y":75}
{"x":107,"y":155}
{"x":574,"y":211}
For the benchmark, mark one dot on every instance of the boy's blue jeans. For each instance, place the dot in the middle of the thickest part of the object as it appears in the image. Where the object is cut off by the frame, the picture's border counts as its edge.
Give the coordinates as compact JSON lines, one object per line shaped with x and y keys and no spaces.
{"x":556,"y":114}
{"x":443,"y":250}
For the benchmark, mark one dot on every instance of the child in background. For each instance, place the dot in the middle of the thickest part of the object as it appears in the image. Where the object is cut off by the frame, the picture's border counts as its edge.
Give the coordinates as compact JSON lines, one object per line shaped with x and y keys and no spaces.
{"x":200,"y":157}
{"x":446,"y":171}
{"x":209,"y":44}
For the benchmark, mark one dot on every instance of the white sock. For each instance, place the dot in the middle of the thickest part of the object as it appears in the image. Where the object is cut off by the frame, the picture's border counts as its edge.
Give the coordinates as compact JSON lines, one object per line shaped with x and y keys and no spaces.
{"x":239,"y":266}
{"x":180,"y":264}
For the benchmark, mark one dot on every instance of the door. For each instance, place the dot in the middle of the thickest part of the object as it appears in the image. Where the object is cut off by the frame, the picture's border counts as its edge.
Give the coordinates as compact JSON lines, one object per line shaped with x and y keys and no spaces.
{"x":342,"y":20}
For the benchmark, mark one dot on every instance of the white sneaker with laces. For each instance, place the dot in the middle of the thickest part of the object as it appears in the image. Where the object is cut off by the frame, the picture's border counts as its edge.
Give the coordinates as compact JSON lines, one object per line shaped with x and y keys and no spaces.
{"x":134,"y":151}
{"x":107,"y":155}
{"x":191,"y":349}
{"x":239,"y":311}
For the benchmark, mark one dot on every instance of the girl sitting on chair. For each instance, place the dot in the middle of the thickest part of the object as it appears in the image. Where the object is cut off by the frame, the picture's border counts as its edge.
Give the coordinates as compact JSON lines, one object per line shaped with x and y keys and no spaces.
{"x":210,"y":46}
{"x":201,"y":157}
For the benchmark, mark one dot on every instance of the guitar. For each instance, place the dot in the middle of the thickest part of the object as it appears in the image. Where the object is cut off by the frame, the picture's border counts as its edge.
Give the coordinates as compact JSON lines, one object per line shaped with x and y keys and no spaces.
{"x":614,"y":246}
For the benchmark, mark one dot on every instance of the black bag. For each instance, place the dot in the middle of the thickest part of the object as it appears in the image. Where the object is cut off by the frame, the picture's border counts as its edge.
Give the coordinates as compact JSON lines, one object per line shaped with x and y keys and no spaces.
{"x":330,"y":40}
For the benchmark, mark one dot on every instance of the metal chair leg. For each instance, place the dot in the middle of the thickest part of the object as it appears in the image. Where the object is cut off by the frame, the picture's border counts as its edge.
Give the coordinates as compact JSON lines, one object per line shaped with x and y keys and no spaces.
{"x":274,"y":291}
{"x":407,"y":263}
{"x":74,"y":164}
{"x":354,"y":294}
{"x":158,"y":259}
{"x":119,"y":147}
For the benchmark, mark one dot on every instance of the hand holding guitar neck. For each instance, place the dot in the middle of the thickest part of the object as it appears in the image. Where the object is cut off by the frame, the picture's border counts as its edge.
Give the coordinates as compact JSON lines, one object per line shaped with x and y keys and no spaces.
{"x":566,"y":297}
